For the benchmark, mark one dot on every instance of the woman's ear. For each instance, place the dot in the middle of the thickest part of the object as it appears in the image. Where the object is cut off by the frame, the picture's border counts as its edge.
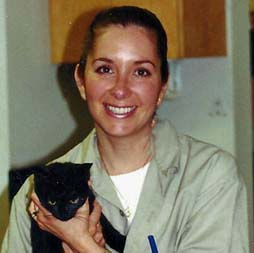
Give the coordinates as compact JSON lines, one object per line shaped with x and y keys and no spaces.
{"x":80,"y":82}
{"x":164,"y":87}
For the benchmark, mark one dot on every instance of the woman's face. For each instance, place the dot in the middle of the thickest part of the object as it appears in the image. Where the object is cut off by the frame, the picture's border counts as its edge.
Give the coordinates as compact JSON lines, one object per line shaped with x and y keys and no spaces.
{"x":122,"y":80}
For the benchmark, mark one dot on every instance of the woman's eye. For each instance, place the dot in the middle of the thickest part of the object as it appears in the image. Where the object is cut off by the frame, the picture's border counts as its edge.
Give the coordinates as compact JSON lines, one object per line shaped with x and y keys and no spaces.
{"x":52,"y":202}
{"x":142,"y":72}
{"x":74,"y":201}
{"x":104,"y":70}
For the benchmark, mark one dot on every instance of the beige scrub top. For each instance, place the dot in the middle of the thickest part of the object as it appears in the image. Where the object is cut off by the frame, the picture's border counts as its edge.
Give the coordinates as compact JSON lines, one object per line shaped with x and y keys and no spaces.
{"x":193,"y":199}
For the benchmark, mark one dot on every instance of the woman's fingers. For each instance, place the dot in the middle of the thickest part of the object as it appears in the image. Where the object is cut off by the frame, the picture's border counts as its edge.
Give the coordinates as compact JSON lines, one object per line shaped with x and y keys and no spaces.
{"x":40,"y":214}
{"x":83,"y":212}
{"x":38,"y":204}
{"x":95,"y":228}
{"x":94,"y":219}
{"x":67,"y":249}
{"x":98,"y":237}
{"x":33,"y":209}
{"x":96,"y":214}
{"x":102,"y":243}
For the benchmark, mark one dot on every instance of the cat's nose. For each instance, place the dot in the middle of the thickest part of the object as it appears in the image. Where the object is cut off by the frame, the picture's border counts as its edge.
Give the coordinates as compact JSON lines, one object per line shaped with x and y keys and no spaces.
{"x":64,"y":216}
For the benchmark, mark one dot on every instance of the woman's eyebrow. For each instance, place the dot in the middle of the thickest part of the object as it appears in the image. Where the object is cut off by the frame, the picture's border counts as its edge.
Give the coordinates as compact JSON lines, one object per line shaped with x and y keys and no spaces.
{"x":145,"y":62}
{"x":137,"y":62}
{"x":102,"y":59}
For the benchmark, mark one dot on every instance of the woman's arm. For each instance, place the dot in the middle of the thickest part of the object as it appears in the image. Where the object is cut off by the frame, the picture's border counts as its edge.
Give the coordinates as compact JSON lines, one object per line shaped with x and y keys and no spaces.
{"x":219,"y":220}
{"x":17,"y":236}
{"x":78,"y":233}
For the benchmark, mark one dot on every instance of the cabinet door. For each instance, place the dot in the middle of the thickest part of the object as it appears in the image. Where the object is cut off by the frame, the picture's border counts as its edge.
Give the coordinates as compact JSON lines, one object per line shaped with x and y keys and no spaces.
{"x":68,"y":24}
{"x":187,"y":23}
{"x":203,"y":28}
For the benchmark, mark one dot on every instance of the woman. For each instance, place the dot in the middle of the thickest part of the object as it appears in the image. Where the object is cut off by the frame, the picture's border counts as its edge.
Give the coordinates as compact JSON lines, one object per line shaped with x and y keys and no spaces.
{"x":148,"y":179}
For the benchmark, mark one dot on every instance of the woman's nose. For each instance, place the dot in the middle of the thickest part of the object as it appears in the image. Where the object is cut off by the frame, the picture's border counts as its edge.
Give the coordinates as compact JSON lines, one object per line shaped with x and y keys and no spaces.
{"x":121,"y":89}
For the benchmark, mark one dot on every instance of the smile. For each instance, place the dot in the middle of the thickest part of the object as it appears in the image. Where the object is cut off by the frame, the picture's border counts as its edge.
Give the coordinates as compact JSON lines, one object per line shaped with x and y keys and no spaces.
{"x":120,"y":111}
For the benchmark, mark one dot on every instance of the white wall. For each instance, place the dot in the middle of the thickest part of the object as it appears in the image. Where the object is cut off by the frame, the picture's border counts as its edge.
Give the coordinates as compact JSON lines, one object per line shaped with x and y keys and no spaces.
{"x":242,"y":91}
{"x":204,"y":83}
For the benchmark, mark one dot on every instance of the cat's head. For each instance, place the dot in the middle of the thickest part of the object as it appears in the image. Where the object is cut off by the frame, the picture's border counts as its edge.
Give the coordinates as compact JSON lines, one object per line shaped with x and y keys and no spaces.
{"x":62,"y":187}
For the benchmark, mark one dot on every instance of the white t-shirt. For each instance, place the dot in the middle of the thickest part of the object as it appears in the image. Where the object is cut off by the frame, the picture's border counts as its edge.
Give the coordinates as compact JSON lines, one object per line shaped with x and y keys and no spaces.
{"x":128,"y":188}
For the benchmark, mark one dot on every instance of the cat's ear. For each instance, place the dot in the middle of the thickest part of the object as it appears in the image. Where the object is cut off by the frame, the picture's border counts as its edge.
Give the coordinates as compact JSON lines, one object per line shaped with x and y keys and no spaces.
{"x":40,"y":172}
{"x":37,"y":170}
{"x":39,"y":178}
{"x":83,"y":170}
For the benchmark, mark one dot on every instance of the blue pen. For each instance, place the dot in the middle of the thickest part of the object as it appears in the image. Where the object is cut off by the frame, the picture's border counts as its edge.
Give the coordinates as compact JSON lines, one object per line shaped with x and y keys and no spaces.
{"x":152,"y":244}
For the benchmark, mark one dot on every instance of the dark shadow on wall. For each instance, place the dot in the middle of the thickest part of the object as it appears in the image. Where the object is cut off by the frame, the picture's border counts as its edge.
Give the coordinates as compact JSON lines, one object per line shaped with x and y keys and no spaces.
{"x":78,"y":109}
{"x":77,"y":106}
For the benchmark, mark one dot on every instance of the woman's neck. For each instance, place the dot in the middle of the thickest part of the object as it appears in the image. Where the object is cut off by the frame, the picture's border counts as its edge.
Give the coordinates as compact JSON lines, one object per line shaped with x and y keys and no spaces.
{"x":121,"y":155}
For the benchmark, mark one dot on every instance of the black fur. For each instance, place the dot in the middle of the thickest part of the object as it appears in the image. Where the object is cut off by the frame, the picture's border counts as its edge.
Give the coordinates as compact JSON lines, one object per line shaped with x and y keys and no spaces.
{"x":62,"y":188}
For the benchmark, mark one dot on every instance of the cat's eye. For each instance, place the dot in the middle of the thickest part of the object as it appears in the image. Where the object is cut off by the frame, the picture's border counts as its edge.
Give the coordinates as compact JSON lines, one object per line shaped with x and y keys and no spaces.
{"x":74,"y":201}
{"x":52,"y":202}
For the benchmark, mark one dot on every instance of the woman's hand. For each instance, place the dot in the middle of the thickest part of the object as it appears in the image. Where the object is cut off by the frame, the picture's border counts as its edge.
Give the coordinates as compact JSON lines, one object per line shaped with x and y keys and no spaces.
{"x":82,"y":233}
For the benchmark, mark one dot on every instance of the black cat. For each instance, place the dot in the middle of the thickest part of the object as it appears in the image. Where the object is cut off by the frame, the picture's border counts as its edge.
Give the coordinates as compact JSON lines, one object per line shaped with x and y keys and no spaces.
{"x":62,"y":188}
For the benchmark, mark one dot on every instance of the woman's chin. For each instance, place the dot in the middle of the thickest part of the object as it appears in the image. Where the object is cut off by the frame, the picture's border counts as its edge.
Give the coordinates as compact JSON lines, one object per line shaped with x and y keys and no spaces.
{"x":124,"y":130}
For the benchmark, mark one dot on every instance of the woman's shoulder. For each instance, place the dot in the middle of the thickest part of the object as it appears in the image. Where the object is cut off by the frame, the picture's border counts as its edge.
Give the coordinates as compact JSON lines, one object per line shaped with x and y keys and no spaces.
{"x":207,"y":162}
{"x":197,"y":161}
{"x":194,"y":155}
{"x":204,"y":151}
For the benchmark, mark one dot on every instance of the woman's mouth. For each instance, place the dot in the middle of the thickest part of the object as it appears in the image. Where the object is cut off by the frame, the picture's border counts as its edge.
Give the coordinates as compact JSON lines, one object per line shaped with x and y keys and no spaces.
{"x":120,"y":111}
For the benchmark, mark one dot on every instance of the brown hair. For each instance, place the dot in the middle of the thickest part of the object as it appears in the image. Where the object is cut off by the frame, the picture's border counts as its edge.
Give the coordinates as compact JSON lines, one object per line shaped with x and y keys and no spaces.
{"x":128,"y":15}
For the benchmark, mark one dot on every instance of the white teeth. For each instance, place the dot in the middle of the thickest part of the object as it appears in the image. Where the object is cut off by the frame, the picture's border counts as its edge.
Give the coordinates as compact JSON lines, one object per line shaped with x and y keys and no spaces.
{"x":120,"y":110}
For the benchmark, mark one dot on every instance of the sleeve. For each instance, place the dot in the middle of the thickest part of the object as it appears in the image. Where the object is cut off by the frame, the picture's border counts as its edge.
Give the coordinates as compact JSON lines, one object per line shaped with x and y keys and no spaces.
{"x":219,"y":219}
{"x":17,"y":236}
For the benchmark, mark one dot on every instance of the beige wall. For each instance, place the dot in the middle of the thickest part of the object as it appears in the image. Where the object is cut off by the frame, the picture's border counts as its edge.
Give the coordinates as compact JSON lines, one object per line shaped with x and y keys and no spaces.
{"x":4,"y":128}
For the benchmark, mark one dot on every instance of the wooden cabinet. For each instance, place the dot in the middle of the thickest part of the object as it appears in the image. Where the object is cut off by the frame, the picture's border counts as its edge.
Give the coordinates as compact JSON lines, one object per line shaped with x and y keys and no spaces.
{"x":195,"y":28}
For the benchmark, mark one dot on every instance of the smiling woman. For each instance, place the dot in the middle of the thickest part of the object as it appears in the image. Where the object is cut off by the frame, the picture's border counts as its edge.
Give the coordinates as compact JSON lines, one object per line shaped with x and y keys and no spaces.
{"x":151,"y":182}
{"x":122,"y":82}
